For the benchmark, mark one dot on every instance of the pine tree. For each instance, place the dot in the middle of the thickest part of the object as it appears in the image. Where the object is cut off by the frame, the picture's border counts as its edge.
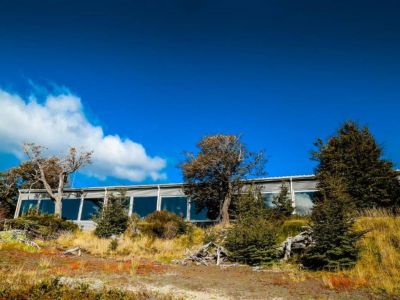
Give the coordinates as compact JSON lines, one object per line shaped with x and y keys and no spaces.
{"x":353,"y":157}
{"x":334,"y":241}
{"x":282,"y":203}
{"x":253,"y":237}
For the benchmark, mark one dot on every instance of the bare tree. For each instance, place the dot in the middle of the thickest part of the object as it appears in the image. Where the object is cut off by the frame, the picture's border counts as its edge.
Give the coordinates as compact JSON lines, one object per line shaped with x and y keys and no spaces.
{"x":63,"y":167}
{"x":215,"y":175}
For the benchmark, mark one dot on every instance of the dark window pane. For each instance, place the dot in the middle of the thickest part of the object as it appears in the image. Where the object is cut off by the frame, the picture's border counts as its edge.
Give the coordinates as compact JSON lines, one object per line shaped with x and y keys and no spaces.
{"x":70,"y":209}
{"x":46,"y":206}
{"x":26,"y":205}
{"x":176,"y":205}
{"x":304,"y":202}
{"x":90,"y":208}
{"x":200,"y":216}
{"x":268,"y":197}
{"x":144,"y":205}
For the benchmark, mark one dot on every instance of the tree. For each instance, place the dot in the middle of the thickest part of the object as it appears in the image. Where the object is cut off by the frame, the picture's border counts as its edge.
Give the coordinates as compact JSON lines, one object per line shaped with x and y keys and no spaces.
{"x":113,"y":218}
{"x":353,"y":157}
{"x":283,"y":203}
{"x":60,"y":168}
{"x":253,"y":237}
{"x":22,"y":177}
{"x":334,"y":241}
{"x":215,"y":175}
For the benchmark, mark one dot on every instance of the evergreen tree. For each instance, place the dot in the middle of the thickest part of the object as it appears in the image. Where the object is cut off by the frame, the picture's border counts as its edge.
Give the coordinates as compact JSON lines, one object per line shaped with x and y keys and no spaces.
{"x":113,"y":218}
{"x":283,"y":203}
{"x":353,"y":157}
{"x":334,"y":241}
{"x":252,"y":239}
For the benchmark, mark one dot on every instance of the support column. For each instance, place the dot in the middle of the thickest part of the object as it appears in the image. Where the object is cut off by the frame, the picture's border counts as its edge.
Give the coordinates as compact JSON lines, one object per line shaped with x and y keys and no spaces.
{"x":18,"y":208}
{"x":158,"y":198}
{"x":293,"y":195}
{"x":189,"y":204}
{"x":105,"y":197}
{"x":81,"y":207}
{"x":130,"y":206}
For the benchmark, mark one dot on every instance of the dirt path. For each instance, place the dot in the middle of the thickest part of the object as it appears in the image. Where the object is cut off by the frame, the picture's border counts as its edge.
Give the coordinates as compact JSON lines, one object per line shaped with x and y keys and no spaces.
{"x":187,"y":282}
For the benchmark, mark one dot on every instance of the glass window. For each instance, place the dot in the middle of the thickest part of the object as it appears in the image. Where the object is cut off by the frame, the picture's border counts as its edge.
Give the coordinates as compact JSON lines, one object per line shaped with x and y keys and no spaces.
{"x":144,"y":205}
{"x":304,"y":202}
{"x":176,"y":205}
{"x":26,"y":205}
{"x":198,"y":216}
{"x":46,"y":206}
{"x":268,"y":197}
{"x":90,"y":208}
{"x":70,"y":209}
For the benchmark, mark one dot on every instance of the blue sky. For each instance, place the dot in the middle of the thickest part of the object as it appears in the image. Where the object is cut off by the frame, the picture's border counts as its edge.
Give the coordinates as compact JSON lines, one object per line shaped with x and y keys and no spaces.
{"x":164,"y":74}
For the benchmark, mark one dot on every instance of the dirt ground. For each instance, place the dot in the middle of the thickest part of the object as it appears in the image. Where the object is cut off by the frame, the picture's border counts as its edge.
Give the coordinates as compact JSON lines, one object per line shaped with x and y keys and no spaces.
{"x":184,"y":282}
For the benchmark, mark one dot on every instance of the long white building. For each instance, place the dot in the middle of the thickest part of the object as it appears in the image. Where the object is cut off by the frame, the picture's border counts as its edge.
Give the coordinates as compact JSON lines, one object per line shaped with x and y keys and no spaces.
{"x":80,"y":204}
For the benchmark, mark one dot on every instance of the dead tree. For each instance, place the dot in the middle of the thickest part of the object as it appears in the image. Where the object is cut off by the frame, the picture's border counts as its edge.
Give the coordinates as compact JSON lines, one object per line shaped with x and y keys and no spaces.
{"x":63,"y":167}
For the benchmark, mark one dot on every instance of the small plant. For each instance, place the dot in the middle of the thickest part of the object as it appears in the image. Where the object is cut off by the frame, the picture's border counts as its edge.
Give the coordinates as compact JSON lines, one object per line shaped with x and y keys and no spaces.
{"x":113,"y":218}
{"x":252,"y":239}
{"x":42,"y":225}
{"x":163,"y":224}
{"x":113,"y":245}
{"x":282,"y":203}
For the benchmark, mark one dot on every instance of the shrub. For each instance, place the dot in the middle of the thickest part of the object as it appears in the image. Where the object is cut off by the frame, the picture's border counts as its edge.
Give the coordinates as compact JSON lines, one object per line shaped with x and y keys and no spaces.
{"x":283,"y":203}
{"x":163,"y":224}
{"x":252,"y":242}
{"x":252,"y":239}
{"x":334,"y":241}
{"x":292,"y":227}
{"x":42,"y":225}
{"x":112,"y":219}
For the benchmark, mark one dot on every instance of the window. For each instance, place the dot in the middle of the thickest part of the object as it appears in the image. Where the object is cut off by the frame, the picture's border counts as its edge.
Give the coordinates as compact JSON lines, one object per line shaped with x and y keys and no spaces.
{"x":70,"y":209}
{"x":304,"y":202}
{"x":200,"y":216}
{"x":46,"y":206}
{"x":268,"y":197}
{"x":90,"y":208}
{"x":26,"y":205}
{"x":176,"y":205}
{"x":144,"y":205}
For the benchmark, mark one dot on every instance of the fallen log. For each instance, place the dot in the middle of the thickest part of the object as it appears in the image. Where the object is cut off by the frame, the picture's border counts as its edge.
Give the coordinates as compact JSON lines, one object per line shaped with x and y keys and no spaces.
{"x":73,"y":251}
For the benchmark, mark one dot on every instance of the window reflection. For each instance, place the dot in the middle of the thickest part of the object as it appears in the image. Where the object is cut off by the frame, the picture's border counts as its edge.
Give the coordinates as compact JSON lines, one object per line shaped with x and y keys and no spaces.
{"x":176,"y":205}
{"x":144,"y":206}
{"x":90,"y":208}
{"x":304,"y":202}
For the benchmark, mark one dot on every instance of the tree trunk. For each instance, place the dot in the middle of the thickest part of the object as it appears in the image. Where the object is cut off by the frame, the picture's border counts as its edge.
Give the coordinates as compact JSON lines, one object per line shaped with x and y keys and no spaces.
{"x":58,"y":206}
{"x":224,"y":210}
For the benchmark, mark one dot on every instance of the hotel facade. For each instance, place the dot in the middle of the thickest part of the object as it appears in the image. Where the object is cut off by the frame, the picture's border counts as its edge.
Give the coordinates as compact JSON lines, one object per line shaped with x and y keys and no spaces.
{"x":80,"y":204}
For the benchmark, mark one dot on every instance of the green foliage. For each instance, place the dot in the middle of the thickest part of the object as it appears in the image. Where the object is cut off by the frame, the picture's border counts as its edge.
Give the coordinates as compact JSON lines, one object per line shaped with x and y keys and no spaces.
{"x":334,"y":240}
{"x":216,"y":173}
{"x":292,"y":227}
{"x":163,"y":224}
{"x":252,"y":239}
{"x":113,"y":218}
{"x":54,"y":289}
{"x":283,"y":203}
{"x":353,"y":157}
{"x":42,"y":225}
{"x":113,"y":245}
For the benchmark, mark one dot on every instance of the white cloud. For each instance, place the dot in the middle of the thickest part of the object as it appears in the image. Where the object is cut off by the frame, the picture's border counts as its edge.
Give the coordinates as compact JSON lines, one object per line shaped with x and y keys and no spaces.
{"x":59,"y":122}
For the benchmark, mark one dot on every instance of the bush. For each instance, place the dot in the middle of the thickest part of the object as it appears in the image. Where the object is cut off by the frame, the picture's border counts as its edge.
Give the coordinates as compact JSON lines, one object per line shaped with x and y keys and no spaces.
{"x":112,"y":219}
{"x":42,"y":225}
{"x":292,"y":227}
{"x":253,"y":238}
{"x":163,"y":224}
{"x":252,"y":242}
{"x":334,"y":241}
{"x":283,"y":206}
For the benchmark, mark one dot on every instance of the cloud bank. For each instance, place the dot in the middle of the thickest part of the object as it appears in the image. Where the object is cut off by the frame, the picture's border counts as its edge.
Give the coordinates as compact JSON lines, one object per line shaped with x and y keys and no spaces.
{"x":59,"y":122}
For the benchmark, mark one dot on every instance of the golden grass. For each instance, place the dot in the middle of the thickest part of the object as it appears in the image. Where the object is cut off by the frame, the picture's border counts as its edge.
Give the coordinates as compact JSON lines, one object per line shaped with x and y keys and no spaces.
{"x":139,"y":247}
{"x":379,"y":264}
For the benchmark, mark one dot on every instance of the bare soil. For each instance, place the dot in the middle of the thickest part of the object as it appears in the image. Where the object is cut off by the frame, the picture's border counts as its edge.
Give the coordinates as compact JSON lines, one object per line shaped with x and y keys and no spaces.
{"x":185,"y":282}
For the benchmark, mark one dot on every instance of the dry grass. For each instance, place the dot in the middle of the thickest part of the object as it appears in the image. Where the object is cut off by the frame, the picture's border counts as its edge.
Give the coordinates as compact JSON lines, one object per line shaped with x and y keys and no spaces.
{"x":142,"y":246}
{"x":379,"y":264}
